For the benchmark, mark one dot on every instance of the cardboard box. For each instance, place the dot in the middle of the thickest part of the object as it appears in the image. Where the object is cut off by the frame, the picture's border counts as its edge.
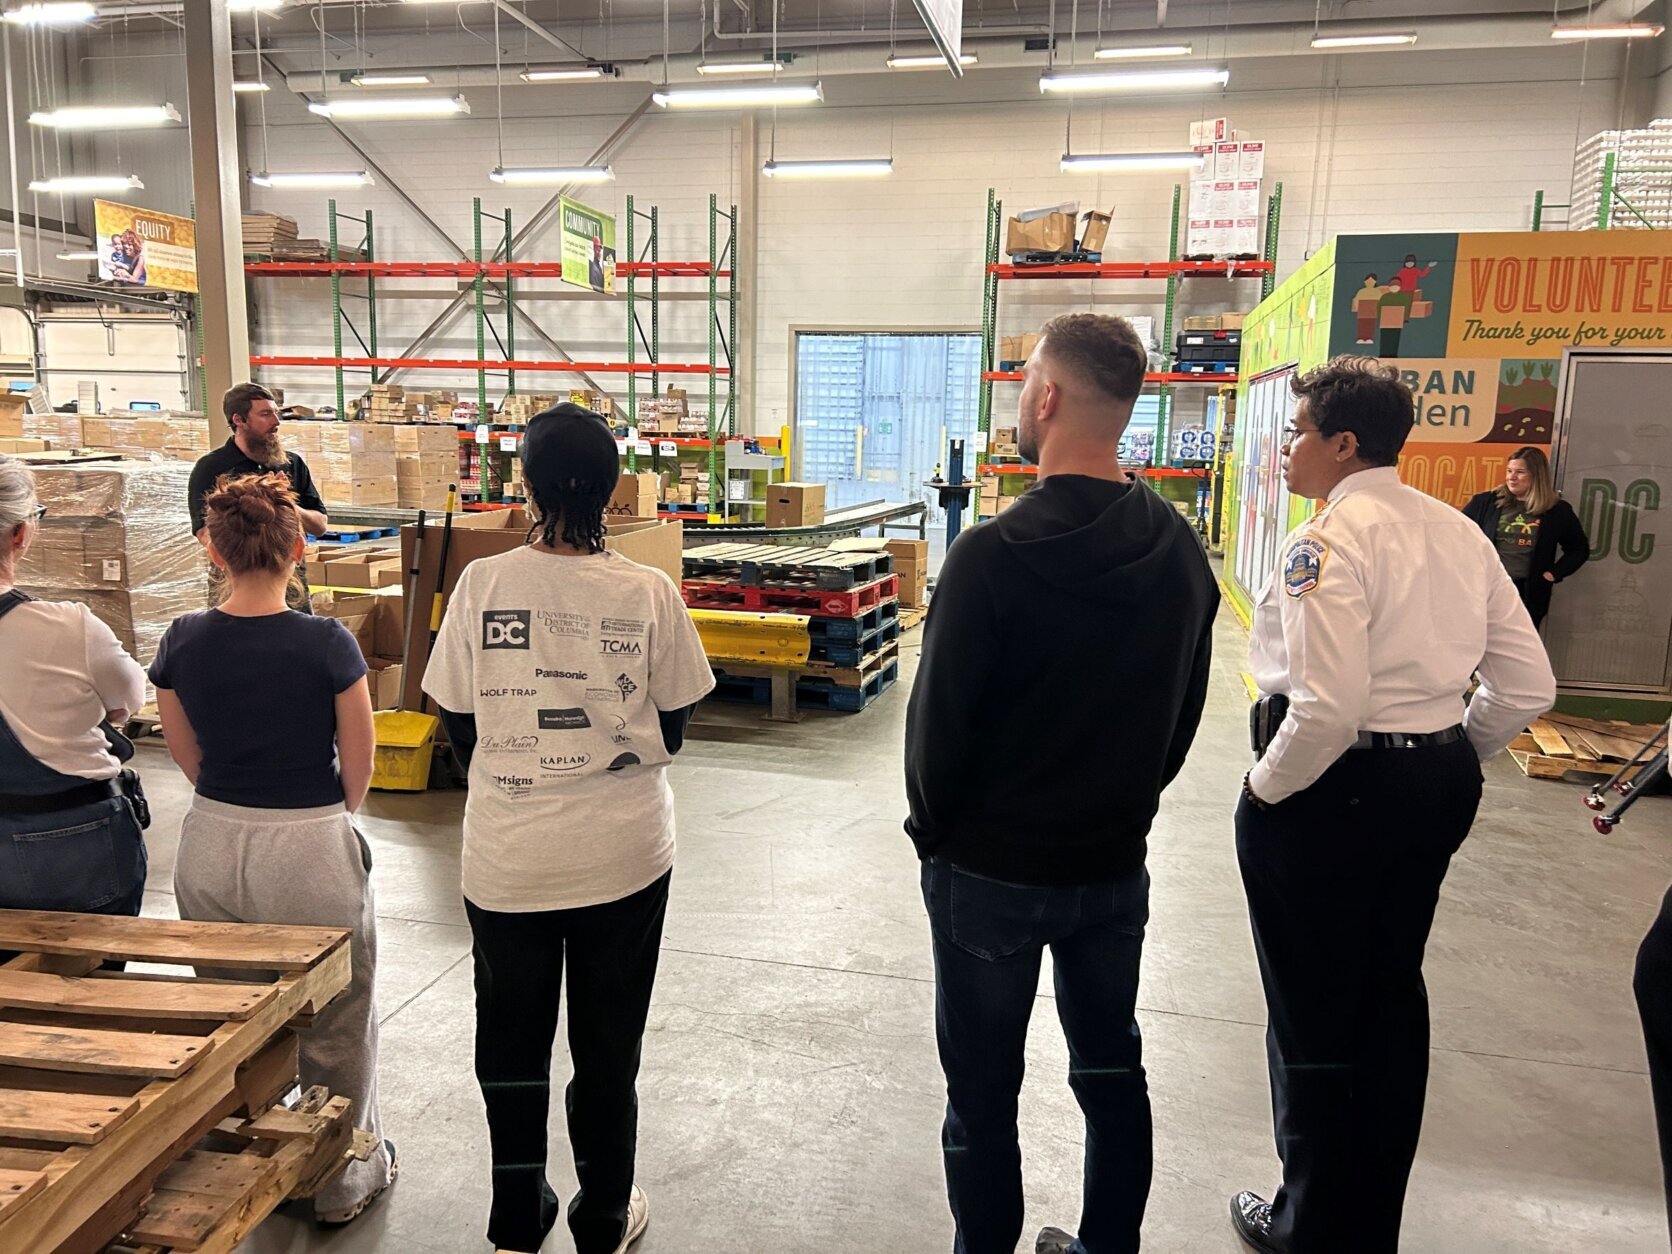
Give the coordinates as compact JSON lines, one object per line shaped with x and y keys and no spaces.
{"x":634,"y":496}
{"x":1253,"y":163}
{"x":1211,"y":131}
{"x":1227,"y":160}
{"x":12,"y":409}
{"x":384,"y":677}
{"x":911,"y":565}
{"x":1051,"y":232}
{"x":24,"y":446}
{"x":1231,"y":321}
{"x":1202,"y":322}
{"x":794,"y":504}
{"x":655,"y":542}
{"x":1017,"y":347}
{"x":1095,"y":229}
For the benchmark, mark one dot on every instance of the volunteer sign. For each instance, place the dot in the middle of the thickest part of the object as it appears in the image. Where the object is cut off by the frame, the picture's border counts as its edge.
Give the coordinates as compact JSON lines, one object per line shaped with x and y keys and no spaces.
{"x":588,"y":246}
{"x":145,"y":248}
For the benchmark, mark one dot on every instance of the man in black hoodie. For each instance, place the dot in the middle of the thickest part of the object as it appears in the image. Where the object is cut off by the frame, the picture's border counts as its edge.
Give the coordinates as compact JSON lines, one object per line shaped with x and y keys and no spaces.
{"x":1065,"y":663}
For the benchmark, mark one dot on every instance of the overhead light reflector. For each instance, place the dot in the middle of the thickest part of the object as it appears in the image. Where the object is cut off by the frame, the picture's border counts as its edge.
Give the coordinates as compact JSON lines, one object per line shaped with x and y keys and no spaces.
{"x":740,"y":67}
{"x":105,"y":117}
{"x":530,"y":176}
{"x":828,"y":169}
{"x":1134,"y":80}
{"x":1143,"y":52}
{"x":314,"y":178}
{"x":391,"y":107}
{"x":738,"y":97}
{"x":1386,"y":40}
{"x":1088,"y":163}
{"x":562,"y":73}
{"x":926,"y":61}
{"x":253,"y":6}
{"x":86,"y":184}
{"x":78,"y":256}
{"x":1622,"y":30}
{"x":243,"y":86}
{"x":60,"y":14}
{"x":391,"y":80}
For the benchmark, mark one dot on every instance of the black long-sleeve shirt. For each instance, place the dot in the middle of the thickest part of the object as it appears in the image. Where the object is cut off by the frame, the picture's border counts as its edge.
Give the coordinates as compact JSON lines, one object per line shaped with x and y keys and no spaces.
{"x":1064,"y":670}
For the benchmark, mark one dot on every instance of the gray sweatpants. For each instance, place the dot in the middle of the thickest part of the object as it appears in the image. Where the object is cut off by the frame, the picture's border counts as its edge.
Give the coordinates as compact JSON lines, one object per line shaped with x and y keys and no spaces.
{"x":239,"y":864}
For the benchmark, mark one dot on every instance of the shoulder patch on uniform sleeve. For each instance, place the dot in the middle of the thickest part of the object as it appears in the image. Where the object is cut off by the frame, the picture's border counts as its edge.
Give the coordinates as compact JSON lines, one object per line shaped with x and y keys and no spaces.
{"x":1303,"y":565}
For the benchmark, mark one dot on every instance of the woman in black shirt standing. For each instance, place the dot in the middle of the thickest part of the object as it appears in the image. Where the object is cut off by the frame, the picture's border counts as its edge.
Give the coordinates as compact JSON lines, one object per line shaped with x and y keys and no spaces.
{"x":1528,"y":522}
{"x":267,"y":712}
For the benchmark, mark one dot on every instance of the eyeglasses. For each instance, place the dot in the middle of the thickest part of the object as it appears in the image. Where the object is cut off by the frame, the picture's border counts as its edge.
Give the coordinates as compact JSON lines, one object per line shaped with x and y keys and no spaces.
{"x":1291,"y":433}
{"x":40,"y":512}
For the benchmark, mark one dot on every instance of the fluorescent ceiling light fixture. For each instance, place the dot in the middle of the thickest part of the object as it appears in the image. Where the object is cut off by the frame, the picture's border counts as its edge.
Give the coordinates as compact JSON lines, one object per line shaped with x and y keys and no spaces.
{"x":562,"y":73}
{"x":1385,"y":40}
{"x":391,"y":80}
{"x":80,"y":184}
{"x":1086,"y":163}
{"x":312,"y":178}
{"x":1134,"y":80}
{"x":1623,"y":30}
{"x":860,"y":168}
{"x":105,"y":117}
{"x":243,"y":85}
{"x":391,"y":107}
{"x":530,"y":176}
{"x":1141,"y":52}
{"x":254,"y":6}
{"x":61,"y":14}
{"x":926,"y":61}
{"x":739,"y":97}
{"x":740,"y":67}
{"x":82,"y":256}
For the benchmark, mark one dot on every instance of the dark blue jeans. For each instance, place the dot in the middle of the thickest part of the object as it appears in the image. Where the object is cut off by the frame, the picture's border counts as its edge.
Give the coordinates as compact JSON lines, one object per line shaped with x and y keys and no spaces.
{"x":89,"y":858}
{"x":989,"y":938}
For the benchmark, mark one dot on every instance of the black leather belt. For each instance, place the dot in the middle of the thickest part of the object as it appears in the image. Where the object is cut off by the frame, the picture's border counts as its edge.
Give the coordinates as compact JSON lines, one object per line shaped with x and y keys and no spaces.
{"x":1408,"y":740}
{"x":46,"y":803}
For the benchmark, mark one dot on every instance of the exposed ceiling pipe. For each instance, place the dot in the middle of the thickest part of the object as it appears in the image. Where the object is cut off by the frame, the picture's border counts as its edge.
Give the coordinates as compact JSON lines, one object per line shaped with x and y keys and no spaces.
{"x":1433,"y":35}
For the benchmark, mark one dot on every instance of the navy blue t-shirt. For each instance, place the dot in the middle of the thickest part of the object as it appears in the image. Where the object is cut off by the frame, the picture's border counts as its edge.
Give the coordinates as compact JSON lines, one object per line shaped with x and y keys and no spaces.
{"x":260,"y":693}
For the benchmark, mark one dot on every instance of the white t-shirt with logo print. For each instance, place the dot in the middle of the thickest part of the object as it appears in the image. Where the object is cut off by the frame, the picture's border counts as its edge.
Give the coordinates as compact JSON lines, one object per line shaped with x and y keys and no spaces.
{"x":565,"y":662}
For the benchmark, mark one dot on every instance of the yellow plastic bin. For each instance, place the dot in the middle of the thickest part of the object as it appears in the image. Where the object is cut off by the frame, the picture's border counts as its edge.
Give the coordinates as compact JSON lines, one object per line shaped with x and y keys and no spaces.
{"x":405,"y":744}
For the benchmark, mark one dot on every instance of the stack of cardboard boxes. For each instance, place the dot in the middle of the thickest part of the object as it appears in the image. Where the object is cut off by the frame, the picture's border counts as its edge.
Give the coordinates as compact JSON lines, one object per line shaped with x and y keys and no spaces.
{"x":911,"y":566}
{"x":377,"y":621}
{"x":595,"y":401}
{"x":695,"y":483}
{"x":353,"y":463}
{"x":386,"y":402}
{"x":116,"y":538}
{"x":188,"y":437}
{"x":426,"y":461}
{"x":1003,"y":443}
{"x":522,"y":407}
{"x":635,"y":496}
{"x":60,"y":432}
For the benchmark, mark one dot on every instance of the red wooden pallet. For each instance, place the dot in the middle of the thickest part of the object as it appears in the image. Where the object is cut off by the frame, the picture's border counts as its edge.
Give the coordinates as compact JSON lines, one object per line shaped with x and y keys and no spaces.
{"x":707,"y":594}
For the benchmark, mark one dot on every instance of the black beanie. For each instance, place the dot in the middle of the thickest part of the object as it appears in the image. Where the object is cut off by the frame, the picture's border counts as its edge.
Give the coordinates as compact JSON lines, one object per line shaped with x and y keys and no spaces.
{"x":566,"y":447}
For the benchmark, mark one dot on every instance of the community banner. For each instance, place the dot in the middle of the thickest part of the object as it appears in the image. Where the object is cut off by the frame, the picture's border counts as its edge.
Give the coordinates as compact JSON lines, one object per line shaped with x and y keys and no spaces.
{"x":145,"y":248}
{"x":588,"y":237}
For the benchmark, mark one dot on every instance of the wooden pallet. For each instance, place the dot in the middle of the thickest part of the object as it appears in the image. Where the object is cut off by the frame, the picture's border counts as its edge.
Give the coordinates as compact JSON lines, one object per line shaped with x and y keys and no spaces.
{"x":823,"y":627}
{"x":114,"y":1085}
{"x":708,"y":594}
{"x":785,"y":566}
{"x":912,"y":616}
{"x":1561,"y":744}
{"x":143,"y":722}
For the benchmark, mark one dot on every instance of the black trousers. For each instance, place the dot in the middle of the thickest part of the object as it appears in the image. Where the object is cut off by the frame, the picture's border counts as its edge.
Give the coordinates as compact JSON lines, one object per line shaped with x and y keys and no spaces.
{"x":610,"y":953}
{"x":1342,"y":881}
{"x":1653,"y":984}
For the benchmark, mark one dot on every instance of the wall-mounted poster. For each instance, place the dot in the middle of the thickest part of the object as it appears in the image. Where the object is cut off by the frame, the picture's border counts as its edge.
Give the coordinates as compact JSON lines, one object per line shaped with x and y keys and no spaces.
{"x":145,"y":248}
{"x":588,"y":246}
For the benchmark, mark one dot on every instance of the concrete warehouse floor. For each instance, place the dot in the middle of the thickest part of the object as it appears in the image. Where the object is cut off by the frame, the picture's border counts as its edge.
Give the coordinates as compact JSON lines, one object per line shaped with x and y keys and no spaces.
{"x":791,"y":1098}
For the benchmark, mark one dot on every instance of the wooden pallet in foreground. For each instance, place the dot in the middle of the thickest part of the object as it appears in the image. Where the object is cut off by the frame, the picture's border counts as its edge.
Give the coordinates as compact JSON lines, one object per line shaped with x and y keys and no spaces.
{"x":1561,"y":744}
{"x":114,"y":1085}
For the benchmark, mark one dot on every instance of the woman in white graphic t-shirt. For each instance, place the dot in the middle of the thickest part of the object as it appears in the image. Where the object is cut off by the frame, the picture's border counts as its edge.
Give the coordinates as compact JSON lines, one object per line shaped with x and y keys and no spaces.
{"x":566,"y":675}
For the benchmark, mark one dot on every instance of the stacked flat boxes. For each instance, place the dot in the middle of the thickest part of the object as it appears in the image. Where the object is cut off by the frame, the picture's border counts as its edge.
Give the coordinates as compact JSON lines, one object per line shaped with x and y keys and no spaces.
{"x":60,"y":431}
{"x":188,"y":437}
{"x":522,"y":407}
{"x":387,"y":403}
{"x":426,"y":461}
{"x":353,"y":463}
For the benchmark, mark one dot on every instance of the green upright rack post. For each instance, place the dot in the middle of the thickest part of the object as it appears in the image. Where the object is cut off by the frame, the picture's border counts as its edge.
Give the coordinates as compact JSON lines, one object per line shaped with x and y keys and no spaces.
{"x":655,"y":304}
{"x":1274,"y":219}
{"x":1164,"y":400}
{"x":632,"y":339}
{"x":336,"y":308}
{"x":481,"y":337}
{"x":1538,"y":208}
{"x":510,"y":311}
{"x":731,"y":341}
{"x":718,"y":490}
{"x":1605,"y":206}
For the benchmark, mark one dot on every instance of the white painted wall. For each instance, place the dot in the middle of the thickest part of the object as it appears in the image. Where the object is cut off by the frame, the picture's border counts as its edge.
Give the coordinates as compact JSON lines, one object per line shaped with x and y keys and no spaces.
{"x":1362,"y":143}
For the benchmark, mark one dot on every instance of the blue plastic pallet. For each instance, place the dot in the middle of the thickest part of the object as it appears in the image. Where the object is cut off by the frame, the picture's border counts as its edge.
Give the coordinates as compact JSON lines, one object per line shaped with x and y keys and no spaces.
{"x":811,"y":691}
{"x":368,"y":533}
{"x":1205,"y":367}
{"x":823,"y":628}
{"x":854,"y":652}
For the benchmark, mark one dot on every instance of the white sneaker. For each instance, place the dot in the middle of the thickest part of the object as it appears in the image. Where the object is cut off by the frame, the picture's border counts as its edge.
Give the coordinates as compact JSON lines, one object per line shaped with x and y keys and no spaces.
{"x":638,"y":1218}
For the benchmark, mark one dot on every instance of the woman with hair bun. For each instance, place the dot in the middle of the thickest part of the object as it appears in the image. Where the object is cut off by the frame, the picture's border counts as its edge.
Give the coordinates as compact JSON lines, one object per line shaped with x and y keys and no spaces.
{"x":267,"y":712}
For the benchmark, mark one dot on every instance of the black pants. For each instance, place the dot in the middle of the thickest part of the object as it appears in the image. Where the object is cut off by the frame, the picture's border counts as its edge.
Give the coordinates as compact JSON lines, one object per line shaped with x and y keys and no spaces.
{"x":1342,"y":881}
{"x":1534,"y":597}
{"x":610,"y":952}
{"x":990,"y":938}
{"x":1654,"y":1003}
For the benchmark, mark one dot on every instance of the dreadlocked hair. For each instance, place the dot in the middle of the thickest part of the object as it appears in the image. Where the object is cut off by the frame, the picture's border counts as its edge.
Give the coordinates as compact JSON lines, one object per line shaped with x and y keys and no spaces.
{"x":572,"y":513}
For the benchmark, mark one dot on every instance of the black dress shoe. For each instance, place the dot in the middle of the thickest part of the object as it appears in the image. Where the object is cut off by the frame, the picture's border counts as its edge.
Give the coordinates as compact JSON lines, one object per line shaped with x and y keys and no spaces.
{"x":1251,"y":1217}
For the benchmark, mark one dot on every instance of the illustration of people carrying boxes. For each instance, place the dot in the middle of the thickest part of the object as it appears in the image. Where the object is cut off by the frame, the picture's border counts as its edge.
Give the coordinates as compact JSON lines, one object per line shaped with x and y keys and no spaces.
{"x":1382,"y":310}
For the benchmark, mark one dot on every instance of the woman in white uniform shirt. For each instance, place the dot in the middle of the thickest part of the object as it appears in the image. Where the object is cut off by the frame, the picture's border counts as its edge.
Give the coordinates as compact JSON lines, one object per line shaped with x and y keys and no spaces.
{"x":70,"y":836}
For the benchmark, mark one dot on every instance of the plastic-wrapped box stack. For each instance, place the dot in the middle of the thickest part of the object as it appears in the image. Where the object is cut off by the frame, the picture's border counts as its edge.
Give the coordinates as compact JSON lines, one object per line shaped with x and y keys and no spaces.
{"x":426,"y":461}
{"x":60,"y":431}
{"x":116,"y":537}
{"x":178,"y":435}
{"x":353,"y":463}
